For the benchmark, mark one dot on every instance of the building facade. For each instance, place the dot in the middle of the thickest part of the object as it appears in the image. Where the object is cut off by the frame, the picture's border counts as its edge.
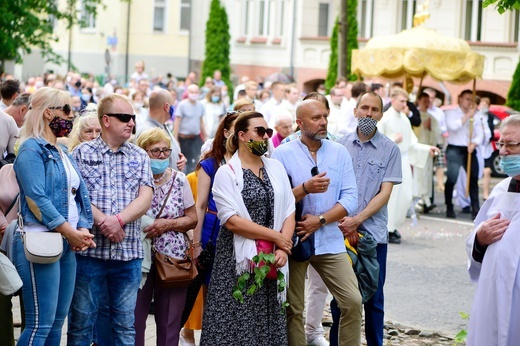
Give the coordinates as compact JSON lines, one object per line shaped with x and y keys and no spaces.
{"x":292,"y":37}
{"x":272,"y":36}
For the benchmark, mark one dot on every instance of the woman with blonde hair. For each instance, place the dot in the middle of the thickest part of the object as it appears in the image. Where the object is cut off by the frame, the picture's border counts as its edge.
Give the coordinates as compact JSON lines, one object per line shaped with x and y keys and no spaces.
{"x":86,"y":127}
{"x":53,"y":197}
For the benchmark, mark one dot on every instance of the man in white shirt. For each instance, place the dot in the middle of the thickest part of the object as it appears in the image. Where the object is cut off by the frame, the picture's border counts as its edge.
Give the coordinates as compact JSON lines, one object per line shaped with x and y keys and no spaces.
{"x":9,"y":90}
{"x":251,"y":90}
{"x":292,"y":99}
{"x":460,"y":145}
{"x":268,"y":109}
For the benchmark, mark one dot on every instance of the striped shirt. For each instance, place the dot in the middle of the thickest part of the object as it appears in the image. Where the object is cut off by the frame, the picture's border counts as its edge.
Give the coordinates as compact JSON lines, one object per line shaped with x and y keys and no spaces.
{"x":113,"y":180}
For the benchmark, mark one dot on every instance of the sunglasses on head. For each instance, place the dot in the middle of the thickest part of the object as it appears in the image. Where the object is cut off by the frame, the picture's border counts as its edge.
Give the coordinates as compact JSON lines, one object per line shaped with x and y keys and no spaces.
{"x":66,"y":109}
{"x":315,"y":171}
{"x":261,"y":131}
{"x":125,"y":118}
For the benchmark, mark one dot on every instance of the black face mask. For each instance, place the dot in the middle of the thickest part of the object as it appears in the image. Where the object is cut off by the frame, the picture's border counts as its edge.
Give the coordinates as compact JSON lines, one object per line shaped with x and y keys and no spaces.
{"x":77,"y":84}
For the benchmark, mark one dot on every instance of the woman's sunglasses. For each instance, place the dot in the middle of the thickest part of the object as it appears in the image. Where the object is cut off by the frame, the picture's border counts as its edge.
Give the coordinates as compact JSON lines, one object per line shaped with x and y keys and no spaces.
{"x":125,"y":118}
{"x":261,"y":131}
{"x":66,"y":109}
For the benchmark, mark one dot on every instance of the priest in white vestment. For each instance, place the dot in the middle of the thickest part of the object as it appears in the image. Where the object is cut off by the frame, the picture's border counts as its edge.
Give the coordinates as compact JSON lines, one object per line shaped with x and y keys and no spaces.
{"x":494,"y":253}
{"x":427,"y":133}
{"x":396,"y":126}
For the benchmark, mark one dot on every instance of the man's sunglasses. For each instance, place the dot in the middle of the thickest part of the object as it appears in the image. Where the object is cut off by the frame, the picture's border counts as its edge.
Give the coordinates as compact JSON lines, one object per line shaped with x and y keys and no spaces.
{"x":261,"y":131}
{"x":66,"y":109}
{"x":125,"y":118}
{"x":315,"y":171}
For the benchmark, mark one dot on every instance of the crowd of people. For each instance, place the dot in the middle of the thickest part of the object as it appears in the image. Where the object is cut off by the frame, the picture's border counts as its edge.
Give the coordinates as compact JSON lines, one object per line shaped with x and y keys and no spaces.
{"x":167,"y":165}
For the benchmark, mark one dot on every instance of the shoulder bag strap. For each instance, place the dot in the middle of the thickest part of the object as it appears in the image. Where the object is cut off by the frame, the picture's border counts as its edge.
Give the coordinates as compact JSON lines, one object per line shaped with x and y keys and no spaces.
{"x":12,"y":204}
{"x":168,"y":195}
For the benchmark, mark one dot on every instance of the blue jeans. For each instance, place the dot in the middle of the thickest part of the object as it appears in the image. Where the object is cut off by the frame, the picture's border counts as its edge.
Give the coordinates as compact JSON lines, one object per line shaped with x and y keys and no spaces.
{"x":374,"y":308}
{"x":122,"y":283}
{"x":47,"y":293}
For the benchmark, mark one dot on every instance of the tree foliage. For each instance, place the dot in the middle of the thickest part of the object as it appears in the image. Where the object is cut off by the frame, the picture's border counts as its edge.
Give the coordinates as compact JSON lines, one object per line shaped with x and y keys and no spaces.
{"x":216,"y":55}
{"x":513,"y":96}
{"x":503,"y":5}
{"x":332,"y":72}
{"x":29,"y":24}
{"x":352,"y":43}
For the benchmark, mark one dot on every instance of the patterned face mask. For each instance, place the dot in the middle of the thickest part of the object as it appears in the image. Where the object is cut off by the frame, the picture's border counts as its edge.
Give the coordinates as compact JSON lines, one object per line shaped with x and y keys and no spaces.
{"x":367,"y":125}
{"x":258,"y":148}
{"x":61,"y":127}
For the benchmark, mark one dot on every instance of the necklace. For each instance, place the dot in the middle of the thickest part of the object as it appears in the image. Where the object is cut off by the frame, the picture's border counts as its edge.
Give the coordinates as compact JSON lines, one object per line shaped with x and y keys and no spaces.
{"x":156,"y":180}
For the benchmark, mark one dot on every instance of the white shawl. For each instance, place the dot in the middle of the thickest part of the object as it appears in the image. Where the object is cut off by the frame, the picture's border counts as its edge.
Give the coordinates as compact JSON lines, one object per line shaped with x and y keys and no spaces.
{"x":227,"y":193}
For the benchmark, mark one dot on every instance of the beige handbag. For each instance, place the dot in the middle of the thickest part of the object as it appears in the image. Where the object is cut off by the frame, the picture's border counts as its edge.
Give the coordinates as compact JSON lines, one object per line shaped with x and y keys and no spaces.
{"x":40,"y":247}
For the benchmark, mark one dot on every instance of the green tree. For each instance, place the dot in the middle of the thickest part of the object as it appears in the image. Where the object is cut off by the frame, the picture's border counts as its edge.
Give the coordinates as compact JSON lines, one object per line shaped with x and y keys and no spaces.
{"x":513,"y":96}
{"x":216,"y":55}
{"x":332,"y":73}
{"x":352,"y":43}
{"x":29,"y":24}
{"x":503,"y":5}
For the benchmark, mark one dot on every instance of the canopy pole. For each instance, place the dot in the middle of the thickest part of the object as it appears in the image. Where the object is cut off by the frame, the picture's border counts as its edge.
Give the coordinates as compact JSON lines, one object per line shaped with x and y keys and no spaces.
{"x":471,"y":120}
{"x":420,"y":82}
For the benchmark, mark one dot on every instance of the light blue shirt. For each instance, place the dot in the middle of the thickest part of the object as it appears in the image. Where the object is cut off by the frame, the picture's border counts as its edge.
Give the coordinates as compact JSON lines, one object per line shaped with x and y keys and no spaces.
{"x":376,"y":161}
{"x":334,"y":159}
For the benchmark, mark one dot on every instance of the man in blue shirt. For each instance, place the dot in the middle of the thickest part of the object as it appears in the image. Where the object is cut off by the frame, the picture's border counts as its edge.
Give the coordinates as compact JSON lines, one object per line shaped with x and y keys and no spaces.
{"x":377,"y":165}
{"x":326,"y":198}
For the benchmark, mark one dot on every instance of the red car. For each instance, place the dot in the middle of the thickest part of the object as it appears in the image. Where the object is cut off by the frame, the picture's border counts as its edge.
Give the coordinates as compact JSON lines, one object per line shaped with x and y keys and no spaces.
{"x":499,"y":113}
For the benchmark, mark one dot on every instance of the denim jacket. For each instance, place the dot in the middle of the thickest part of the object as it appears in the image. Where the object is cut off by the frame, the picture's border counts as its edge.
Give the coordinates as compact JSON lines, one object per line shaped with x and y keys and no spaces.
{"x":43,"y":186}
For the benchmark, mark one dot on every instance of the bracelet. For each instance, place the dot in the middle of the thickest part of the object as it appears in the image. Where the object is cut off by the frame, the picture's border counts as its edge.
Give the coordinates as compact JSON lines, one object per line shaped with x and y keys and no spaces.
{"x":304,"y":189}
{"x":198,"y":243}
{"x":120,"y":220}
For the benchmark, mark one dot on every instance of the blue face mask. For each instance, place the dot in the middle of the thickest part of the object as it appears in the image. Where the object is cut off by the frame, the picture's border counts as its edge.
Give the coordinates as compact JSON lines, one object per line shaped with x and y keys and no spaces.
{"x":511,"y":165}
{"x":159,"y":166}
{"x":171,"y":111}
{"x":215,"y":99}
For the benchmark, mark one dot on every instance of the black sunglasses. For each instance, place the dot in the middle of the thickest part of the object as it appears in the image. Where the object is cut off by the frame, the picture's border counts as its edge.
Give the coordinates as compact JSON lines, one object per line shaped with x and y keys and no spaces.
{"x":125,"y":118}
{"x":261,"y":131}
{"x":315,"y":171}
{"x":66,"y":109}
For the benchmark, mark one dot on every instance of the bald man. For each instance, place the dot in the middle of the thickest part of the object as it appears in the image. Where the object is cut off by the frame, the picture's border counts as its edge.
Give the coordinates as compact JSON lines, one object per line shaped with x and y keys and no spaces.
{"x":162,"y":109}
{"x":323,"y":178}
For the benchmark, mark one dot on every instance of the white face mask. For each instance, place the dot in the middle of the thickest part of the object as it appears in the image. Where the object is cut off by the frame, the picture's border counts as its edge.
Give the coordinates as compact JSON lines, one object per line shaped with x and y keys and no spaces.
{"x":138,"y":105}
{"x":193,"y":97}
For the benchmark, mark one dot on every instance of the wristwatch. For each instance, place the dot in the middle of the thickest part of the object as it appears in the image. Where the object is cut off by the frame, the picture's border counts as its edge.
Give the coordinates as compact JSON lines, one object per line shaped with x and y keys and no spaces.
{"x":322,"y":220}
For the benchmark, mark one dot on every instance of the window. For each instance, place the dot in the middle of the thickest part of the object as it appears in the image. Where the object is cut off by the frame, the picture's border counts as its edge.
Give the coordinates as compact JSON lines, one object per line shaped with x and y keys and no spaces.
{"x":159,"y":13}
{"x":245,"y":17}
{"x":323,"y":19}
{"x":473,"y":25}
{"x":516,"y":24}
{"x":407,"y":11}
{"x":88,"y":15}
{"x":185,"y":15}
{"x":263,"y":17}
{"x":281,"y":19}
{"x":366,"y":18}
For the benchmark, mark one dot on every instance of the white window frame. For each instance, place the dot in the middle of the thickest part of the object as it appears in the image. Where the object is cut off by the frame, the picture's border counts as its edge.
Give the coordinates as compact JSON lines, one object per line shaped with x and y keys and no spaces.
{"x":476,"y":7}
{"x":366,"y":18}
{"x":264,"y":6}
{"x":183,"y":6}
{"x":409,"y":14}
{"x":90,"y":22}
{"x":329,"y":19}
{"x":246,"y":20}
{"x":164,"y":5}
{"x":281,"y":10}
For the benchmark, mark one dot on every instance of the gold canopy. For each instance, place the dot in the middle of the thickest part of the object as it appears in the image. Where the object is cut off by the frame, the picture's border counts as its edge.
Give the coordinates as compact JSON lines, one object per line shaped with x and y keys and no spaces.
{"x":417,"y":52}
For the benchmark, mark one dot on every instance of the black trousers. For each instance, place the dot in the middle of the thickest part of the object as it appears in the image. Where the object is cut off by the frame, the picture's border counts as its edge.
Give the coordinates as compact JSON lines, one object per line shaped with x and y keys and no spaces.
{"x":457,"y":156}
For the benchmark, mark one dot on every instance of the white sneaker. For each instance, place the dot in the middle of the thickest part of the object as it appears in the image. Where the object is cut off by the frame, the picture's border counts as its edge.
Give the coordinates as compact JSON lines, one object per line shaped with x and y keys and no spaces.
{"x":184,"y":342}
{"x":320,"y":341}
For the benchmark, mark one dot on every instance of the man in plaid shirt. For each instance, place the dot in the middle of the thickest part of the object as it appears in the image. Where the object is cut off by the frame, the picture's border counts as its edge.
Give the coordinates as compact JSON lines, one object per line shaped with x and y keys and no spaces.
{"x":120,"y":184}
